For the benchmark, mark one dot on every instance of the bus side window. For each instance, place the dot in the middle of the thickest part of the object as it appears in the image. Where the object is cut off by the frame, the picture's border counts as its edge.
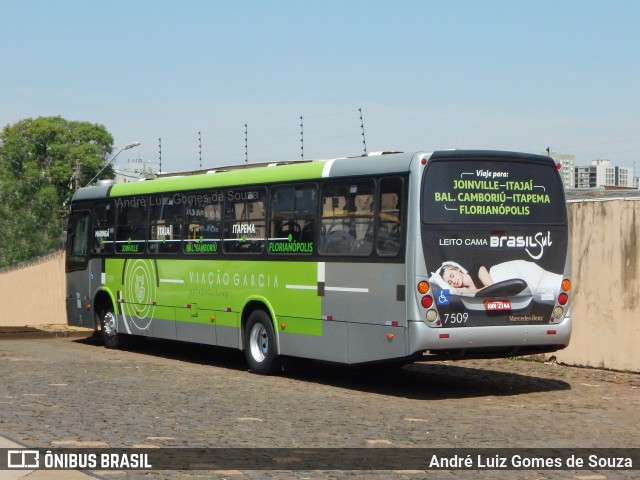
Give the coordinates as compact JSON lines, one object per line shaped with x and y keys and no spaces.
{"x":244,"y":220}
{"x":203,"y":223}
{"x":389,"y":235}
{"x":347,"y":218}
{"x":131,"y":225}
{"x":293,"y":218}
{"x":165,"y":225}
{"x":103,"y":228}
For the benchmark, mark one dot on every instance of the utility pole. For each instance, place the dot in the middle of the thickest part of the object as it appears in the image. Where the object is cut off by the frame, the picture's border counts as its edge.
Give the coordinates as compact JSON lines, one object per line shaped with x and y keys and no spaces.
{"x":77,"y":175}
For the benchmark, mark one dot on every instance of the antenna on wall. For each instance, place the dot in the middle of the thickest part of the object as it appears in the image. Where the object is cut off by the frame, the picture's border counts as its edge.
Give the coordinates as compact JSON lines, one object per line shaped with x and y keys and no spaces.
{"x":364,"y":140}
{"x":246,"y":144}
{"x":200,"y":148}
{"x":301,"y":138}
{"x":160,"y":153}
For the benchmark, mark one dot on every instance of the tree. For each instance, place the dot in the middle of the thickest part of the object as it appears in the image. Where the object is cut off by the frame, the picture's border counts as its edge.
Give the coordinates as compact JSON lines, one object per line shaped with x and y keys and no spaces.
{"x":42,"y":162}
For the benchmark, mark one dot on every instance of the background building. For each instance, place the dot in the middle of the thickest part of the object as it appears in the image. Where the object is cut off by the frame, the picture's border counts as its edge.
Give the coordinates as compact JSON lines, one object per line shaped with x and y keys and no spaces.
{"x":602,"y":174}
{"x":135,"y":169}
{"x":567,"y":162}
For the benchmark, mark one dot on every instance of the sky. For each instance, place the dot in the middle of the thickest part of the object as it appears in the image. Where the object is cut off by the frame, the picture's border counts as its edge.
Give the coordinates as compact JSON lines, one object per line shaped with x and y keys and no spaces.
{"x":212,"y":83}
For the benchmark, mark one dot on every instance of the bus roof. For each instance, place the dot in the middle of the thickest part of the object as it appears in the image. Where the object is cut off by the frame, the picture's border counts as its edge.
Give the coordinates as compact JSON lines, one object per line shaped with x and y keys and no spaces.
{"x":255,"y":174}
{"x":251,"y":174}
{"x":490,"y":154}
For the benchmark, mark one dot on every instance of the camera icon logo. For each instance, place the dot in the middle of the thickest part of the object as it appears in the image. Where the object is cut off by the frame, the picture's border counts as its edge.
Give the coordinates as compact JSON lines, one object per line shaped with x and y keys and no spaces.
{"x":23,"y":459}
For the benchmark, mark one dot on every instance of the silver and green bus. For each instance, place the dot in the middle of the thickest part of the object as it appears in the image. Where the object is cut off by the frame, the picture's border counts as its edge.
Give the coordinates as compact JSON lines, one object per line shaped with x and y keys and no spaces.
{"x":394,"y":258}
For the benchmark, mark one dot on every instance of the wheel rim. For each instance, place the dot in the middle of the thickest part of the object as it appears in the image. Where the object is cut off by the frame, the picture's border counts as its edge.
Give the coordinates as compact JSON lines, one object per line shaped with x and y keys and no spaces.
{"x":259,"y":342}
{"x":109,"y":325}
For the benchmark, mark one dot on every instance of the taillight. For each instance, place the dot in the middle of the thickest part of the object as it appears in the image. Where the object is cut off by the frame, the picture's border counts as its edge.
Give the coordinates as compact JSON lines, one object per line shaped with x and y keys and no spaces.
{"x":566,"y":285}
{"x":563,"y":298}
{"x":426,"y":300}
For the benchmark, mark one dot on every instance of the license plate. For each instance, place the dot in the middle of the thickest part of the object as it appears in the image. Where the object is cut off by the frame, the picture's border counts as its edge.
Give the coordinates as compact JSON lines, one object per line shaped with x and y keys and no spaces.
{"x":497,"y":305}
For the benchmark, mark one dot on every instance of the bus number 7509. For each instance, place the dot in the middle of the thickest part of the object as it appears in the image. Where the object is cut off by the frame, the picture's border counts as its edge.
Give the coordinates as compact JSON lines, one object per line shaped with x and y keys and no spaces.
{"x":455,"y":318}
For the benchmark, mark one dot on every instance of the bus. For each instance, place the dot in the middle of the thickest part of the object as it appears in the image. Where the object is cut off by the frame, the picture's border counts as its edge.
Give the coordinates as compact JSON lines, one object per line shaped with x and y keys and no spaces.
{"x":385,"y":258}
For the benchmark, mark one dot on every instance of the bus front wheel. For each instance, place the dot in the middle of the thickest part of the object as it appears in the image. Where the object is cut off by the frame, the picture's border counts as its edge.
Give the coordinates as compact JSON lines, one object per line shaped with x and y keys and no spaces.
{"x":260,"y":344}
{"x":109,"y":328}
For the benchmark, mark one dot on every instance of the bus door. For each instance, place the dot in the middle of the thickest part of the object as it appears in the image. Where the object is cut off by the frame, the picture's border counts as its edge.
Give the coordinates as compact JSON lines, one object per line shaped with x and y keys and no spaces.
{"x":77,"y":269}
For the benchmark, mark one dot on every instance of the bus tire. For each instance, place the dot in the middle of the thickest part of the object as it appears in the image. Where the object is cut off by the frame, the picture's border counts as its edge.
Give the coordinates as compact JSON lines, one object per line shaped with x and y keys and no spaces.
{"x":109,"y":329}
{"x":260,"y":349}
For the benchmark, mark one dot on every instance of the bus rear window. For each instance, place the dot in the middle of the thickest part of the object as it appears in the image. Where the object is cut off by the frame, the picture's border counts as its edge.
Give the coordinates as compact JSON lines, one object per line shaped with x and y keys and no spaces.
{"x":486,"y":191}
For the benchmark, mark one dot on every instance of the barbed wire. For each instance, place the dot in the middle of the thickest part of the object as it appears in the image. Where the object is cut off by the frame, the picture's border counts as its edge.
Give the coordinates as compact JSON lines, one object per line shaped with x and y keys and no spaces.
{"x":334,"y":134}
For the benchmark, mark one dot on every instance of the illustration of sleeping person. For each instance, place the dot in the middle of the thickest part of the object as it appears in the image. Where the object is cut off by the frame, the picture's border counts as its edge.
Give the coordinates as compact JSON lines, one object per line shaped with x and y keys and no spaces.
{"x":514,"y":277}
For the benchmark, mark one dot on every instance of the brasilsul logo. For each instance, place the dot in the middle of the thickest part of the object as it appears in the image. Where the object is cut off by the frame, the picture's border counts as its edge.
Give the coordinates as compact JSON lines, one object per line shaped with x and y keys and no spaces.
{"x":533,"y":244}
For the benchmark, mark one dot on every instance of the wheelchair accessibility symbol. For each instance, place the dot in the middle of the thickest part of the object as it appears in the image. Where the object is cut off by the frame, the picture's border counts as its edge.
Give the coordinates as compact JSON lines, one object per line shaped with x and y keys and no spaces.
{"x":444,"y":297}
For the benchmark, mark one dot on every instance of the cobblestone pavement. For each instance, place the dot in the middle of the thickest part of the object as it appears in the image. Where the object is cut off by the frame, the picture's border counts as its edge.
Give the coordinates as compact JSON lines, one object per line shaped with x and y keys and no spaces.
{"x":72,"y":392}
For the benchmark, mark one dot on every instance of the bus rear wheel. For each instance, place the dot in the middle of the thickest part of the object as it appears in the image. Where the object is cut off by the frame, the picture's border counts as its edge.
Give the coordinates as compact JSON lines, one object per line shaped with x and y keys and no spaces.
{"x":260,"y":346}
{"x":109,"y":329}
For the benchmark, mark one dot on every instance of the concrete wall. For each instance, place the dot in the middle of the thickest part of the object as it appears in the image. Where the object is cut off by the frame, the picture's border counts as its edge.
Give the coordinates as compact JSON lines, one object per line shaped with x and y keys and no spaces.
{"x":605,"y":307}
{"x":34,"y":293}
{"x":605,"y":304}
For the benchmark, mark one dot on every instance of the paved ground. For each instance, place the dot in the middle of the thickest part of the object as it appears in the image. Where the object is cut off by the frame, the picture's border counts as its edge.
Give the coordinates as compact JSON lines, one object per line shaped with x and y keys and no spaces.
{"x":67,"y":391}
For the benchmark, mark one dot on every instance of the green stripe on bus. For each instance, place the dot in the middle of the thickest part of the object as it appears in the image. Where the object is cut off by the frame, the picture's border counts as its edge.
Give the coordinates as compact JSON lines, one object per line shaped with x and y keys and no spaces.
{"x":216,"y":291}
{"x":240,"y":177}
